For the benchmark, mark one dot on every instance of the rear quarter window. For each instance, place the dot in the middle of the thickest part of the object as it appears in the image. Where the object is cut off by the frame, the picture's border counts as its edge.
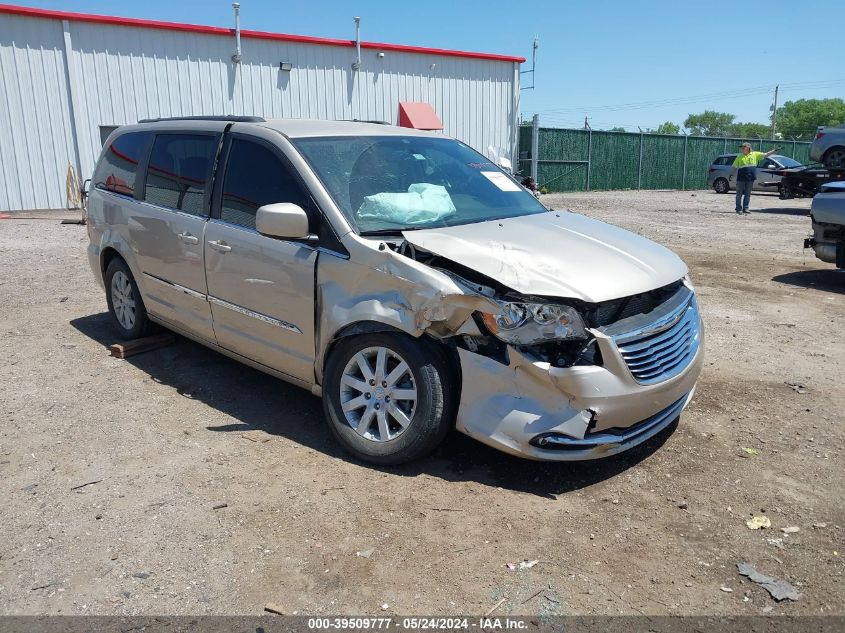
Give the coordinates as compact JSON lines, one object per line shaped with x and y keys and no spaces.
{"x":117,"y":170}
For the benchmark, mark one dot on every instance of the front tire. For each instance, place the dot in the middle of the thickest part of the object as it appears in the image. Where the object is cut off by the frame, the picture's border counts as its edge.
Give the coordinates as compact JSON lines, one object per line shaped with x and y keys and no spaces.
{"x":129,"y":316}
{"x":720,"y":185}
{"x":389,"y":398}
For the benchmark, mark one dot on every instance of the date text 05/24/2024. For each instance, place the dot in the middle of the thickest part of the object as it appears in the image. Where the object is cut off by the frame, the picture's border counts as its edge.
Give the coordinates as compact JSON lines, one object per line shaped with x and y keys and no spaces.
{"x":417,"y":623}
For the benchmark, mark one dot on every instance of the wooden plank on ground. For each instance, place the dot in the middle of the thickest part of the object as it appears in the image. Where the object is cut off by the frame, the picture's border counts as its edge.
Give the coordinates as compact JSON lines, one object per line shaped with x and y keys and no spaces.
{"x":139,"y":345}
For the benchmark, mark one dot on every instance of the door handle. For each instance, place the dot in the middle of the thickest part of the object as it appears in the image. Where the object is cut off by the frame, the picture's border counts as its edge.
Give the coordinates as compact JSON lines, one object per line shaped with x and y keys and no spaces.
{"x":188,"y":238}
{"x":220,"y":245}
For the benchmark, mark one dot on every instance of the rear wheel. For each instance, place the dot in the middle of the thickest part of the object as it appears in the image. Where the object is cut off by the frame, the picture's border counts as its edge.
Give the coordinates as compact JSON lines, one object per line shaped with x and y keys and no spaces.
{"x":129,"y":316}
{"x":835,"y":158}
{"x":720,"y":185}
{"x":388,"y":398}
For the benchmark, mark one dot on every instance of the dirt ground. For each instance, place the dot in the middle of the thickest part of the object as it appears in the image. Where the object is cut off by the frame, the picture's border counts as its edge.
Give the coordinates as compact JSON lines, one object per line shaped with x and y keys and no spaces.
{"x":169,"y":435}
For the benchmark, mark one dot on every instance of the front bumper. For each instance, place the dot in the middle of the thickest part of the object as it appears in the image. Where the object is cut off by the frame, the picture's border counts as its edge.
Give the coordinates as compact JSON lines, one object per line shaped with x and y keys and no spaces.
{"x":827,"y":248}
{"x":531,"y":409}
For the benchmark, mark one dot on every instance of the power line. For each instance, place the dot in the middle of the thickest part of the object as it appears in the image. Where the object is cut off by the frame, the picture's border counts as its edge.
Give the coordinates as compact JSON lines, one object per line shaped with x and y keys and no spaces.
{"x":670,"y":101}
{"x":713,"y":96}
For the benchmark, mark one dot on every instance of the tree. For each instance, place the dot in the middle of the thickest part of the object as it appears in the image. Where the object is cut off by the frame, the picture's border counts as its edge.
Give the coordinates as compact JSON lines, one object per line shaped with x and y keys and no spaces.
{"x":618,"y":129}
{"x":802,"y":117}
{"x":751,"y":130}
{"x":667,"y":127}
{"x":710,"y":123}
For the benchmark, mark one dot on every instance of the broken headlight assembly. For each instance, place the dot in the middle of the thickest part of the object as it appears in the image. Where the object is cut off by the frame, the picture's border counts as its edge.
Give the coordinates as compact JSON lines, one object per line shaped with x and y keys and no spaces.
{"x":531,"y":323}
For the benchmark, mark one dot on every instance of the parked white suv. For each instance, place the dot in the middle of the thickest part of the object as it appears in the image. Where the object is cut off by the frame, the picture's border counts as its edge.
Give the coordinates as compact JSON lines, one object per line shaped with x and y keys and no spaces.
{"x":402,"y":276}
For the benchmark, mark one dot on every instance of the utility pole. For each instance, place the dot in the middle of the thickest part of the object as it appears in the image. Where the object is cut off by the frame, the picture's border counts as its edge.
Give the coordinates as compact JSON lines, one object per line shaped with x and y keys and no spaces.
{"x":586,"y":125}
{"x":775,"y":114}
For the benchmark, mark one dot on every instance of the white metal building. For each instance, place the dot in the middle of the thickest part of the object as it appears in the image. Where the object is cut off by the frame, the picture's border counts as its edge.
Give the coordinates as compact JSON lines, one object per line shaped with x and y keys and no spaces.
{"x":67,"y":79}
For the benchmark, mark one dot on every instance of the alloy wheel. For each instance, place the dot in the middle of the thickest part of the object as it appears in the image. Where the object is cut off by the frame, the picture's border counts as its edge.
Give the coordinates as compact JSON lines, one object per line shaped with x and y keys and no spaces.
{"x":378,"y":394}
{"x":122,"y":299}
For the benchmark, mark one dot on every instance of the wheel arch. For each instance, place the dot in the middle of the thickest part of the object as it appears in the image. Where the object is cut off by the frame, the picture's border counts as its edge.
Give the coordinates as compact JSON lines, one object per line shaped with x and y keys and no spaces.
{"x":107,"y":254}
{"x":447,"y":346}
{"x":112,"y":244}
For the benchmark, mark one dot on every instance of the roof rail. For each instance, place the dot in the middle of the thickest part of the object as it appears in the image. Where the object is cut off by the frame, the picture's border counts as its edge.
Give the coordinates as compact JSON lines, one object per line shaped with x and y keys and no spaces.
{"x":374,"y":121}
{"x":226,"y":117}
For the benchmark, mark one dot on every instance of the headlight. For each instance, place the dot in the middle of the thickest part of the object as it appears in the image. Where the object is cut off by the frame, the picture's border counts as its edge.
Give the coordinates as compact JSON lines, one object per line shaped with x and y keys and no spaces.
{"x":532,"y":323}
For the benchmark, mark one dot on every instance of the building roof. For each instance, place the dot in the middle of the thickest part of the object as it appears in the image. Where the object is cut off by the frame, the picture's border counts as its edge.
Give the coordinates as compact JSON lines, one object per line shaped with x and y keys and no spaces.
{"x":216,"y":30}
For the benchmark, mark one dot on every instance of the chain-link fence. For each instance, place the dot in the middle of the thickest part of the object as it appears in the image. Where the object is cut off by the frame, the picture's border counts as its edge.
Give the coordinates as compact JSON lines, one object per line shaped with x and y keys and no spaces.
{"x":584,"y":160}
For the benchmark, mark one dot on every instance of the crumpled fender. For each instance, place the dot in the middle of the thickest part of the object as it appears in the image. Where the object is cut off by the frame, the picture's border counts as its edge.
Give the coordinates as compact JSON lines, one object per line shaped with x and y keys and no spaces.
{"x":394,"y":290}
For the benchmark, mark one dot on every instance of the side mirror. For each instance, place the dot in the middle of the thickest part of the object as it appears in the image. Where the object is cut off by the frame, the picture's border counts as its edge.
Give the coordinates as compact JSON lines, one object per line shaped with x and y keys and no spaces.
{"x":83,"y":190}
{"x":283,"y":219}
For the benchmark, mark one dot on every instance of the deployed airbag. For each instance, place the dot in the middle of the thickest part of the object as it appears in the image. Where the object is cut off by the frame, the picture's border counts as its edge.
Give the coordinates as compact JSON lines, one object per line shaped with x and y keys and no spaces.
{"x":424,"y":203}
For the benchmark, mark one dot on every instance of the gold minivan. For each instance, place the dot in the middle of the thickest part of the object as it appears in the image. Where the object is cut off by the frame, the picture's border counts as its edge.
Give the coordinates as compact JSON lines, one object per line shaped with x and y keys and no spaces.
{"x":400,"y":275}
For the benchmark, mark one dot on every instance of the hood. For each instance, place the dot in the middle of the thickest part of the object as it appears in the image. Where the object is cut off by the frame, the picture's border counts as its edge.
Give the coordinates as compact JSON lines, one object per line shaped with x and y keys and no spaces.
{"x":556,"y":254}
{"x":828,"y":205}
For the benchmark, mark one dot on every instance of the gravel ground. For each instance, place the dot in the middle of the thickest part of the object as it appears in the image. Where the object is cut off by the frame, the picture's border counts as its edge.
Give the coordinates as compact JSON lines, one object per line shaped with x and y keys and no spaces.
{"x":111,"y":470}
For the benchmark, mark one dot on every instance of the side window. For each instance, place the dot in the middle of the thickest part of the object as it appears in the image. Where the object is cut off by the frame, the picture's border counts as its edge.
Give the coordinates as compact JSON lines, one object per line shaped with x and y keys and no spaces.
{"x":117,"y":169}
{"x":255,"y":176}
{"x":177,"y":175}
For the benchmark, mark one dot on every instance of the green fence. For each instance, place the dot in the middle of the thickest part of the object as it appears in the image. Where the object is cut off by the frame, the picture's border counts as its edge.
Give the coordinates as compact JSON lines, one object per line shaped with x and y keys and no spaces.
{"x":584,"y":160}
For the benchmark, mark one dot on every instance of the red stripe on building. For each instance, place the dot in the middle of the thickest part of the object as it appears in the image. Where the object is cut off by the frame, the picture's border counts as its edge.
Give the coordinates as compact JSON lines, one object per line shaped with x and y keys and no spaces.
{"x":259,"y":35}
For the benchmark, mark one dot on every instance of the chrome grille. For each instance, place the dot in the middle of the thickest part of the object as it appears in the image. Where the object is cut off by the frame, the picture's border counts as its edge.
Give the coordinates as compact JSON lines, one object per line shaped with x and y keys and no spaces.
{"x":617,"y":309}
{"x":662,"y":349}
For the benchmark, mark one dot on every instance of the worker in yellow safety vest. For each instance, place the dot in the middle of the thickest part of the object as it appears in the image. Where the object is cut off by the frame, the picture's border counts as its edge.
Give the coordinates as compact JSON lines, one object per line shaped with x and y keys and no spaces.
{"x":746,"y":172}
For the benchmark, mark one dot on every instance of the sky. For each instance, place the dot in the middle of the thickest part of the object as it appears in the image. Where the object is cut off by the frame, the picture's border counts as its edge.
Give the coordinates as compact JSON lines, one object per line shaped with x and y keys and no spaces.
{"x":622,"y":64}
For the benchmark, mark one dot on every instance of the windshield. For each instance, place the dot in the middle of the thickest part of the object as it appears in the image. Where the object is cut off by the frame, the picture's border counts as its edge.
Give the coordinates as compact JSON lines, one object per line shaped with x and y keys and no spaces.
{"x":393,"y":183}
{"x":786,"y":161}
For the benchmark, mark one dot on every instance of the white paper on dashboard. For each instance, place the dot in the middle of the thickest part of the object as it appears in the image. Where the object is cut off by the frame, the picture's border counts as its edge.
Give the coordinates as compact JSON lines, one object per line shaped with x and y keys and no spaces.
{"x":501,"y":181}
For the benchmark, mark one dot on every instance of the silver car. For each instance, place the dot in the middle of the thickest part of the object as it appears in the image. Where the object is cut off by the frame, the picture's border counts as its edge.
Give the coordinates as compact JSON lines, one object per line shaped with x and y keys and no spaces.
{"x":828,"y":147}
{"x":827,"y":214}
{"x":721,"y":175}
{"x":401,"y":276}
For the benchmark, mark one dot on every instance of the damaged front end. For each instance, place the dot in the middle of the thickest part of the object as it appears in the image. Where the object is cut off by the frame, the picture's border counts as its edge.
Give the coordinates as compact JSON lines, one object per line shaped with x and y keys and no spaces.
{"x":541,"y":377}
{"x":621,"y":380}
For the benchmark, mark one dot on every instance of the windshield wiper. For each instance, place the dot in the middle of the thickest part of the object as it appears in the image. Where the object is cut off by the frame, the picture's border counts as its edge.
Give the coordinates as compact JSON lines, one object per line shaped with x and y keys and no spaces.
{"x":397,"y":231}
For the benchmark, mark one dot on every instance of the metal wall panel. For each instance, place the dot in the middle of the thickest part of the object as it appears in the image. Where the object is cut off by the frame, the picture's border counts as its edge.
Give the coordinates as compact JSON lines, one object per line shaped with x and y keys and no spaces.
{"x":128,"y":73}
{"x":36,"y":137}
